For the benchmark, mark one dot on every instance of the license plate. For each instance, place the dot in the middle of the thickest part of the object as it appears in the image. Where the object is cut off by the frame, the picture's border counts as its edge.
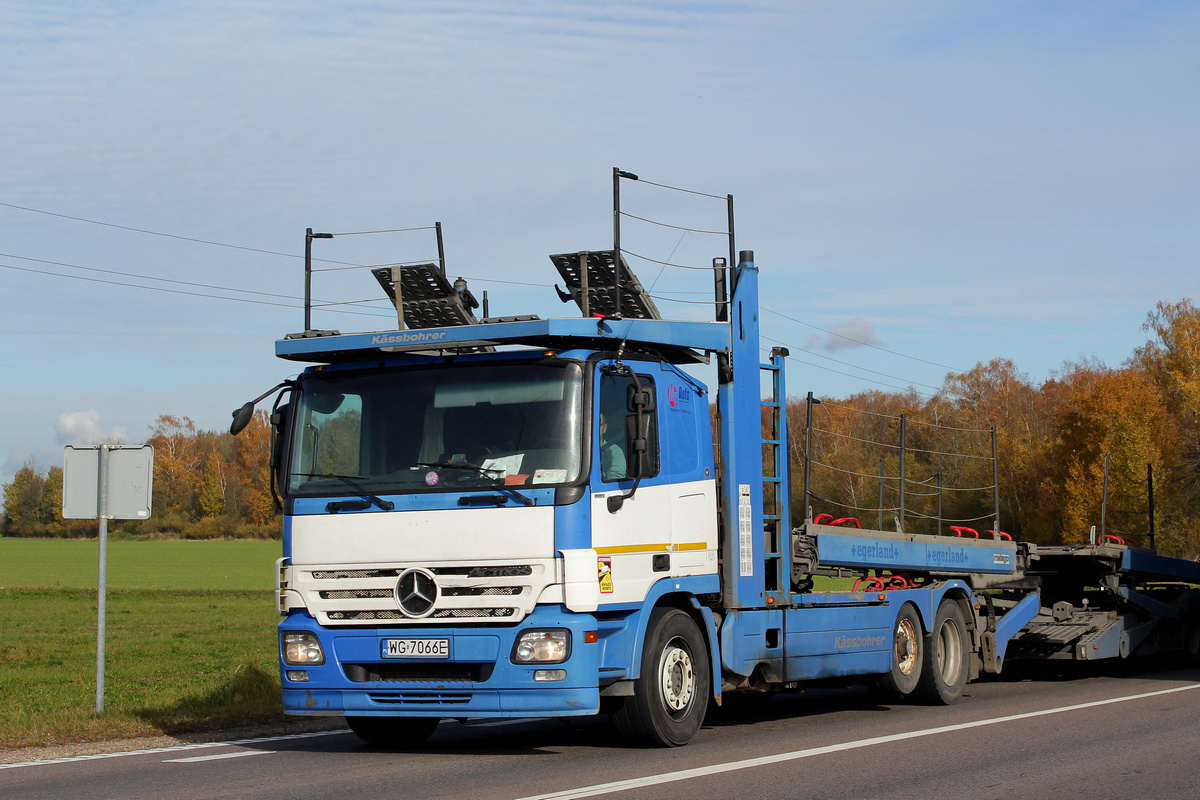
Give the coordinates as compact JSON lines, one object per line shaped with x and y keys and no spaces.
{"x":416,"y":648}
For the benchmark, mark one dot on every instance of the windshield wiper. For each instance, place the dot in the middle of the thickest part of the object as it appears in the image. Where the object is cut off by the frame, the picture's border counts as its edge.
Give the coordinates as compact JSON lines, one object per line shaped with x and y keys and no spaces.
{"x":386,"y":505}
{"x":487,"y":473}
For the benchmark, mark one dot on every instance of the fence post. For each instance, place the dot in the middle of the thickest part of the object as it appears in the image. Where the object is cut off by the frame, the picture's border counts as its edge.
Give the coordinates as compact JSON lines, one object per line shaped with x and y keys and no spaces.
{"x":903,"y":453}
{"x":808,"y":456}
{"x":1150,"y":497}
{"x":1104,"y":500}
{"x":939,"y":477}
{"x":995,"y":485}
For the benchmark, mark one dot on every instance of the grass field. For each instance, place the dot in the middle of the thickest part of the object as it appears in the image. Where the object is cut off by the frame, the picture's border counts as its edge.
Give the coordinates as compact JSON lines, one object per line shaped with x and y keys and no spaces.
{"x":190,"y":638}
{"x":186,"y":565}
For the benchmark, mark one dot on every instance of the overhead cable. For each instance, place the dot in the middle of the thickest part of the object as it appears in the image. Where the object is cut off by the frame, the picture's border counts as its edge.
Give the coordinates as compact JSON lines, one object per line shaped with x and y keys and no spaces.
{"x":165,"y":235}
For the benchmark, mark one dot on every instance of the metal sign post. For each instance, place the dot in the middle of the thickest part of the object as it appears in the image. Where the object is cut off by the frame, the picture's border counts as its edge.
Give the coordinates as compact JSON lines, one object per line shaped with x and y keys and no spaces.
{"x":106,"y":482}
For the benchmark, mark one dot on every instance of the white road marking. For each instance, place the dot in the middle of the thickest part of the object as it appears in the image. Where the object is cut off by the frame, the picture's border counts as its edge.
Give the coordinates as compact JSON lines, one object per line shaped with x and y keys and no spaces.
{"x":173,"y":749}
{"x":218,"y":756}
{"x":731,"y":766}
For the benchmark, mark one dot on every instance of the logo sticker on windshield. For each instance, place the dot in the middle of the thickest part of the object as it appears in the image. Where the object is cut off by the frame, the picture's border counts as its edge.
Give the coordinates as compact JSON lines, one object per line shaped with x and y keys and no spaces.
{"x":431,"y":478}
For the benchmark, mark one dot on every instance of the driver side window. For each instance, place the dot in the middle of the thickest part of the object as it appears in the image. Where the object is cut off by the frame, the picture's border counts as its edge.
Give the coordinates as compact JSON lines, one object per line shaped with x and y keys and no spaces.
{"x":617,"y":430}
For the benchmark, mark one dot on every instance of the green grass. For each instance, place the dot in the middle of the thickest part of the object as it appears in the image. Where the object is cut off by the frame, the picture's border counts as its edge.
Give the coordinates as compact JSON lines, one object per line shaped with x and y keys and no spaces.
{"x":190,"y":639}
{"x":234,"y":565}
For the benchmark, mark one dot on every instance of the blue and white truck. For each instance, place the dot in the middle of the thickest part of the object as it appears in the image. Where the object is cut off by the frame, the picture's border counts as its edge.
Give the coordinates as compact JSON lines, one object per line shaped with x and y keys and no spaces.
{"x":530,"y":517}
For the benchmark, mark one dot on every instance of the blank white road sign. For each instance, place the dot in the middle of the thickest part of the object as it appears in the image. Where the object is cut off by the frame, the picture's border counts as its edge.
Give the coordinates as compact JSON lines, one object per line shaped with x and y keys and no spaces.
{"x":130,"y":475}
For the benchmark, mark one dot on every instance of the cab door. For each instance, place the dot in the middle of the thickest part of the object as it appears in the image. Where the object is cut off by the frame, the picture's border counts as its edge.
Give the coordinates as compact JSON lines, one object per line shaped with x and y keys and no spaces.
{"x":631,"y":535}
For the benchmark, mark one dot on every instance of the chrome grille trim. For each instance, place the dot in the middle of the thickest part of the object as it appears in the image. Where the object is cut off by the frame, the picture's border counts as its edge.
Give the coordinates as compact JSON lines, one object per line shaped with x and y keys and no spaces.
{"x":474,"y":591}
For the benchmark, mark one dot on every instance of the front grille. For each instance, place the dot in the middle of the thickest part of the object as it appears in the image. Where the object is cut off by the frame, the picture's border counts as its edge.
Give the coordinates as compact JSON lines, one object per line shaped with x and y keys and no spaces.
{"x":351,"y":616}
{"x":460,"y":613}
{"x":448,"y":613}
{"x":420,"y":698}
{"x":356,"y":594}
{"x":481,"y":591}
{"x":425,"y":672}
{"x":333,"y":575}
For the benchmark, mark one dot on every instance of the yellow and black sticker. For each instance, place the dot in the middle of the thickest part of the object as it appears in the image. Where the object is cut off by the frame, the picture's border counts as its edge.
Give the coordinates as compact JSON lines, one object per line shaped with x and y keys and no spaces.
{"x":604,"y":570}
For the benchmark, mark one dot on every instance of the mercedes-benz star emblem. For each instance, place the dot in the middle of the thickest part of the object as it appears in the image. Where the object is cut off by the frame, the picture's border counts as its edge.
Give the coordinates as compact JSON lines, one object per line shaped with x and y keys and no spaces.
{"x":416,"y":592}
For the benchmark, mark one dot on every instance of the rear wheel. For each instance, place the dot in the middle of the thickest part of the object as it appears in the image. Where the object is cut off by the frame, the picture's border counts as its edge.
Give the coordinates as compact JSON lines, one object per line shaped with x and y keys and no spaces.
{"x":671,"y":696}
{"x":944,"y":673}
{"x":393,"y":732}
{"x":908,"y":655}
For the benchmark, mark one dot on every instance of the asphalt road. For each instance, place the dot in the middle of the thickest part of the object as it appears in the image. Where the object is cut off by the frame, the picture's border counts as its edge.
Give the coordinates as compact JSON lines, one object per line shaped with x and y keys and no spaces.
{"x":1112,"y":734}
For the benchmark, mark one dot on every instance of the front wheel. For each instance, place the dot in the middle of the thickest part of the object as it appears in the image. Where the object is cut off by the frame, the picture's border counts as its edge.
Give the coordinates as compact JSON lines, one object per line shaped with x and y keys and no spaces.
{"x":944,"y":673}
{"x":671,"y":696}
{"x":908,"y":655}
{"x":393,"y":732}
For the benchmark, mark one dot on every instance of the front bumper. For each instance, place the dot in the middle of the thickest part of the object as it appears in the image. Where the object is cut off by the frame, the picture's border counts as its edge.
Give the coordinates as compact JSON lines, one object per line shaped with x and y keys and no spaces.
{"x":477,"y":680}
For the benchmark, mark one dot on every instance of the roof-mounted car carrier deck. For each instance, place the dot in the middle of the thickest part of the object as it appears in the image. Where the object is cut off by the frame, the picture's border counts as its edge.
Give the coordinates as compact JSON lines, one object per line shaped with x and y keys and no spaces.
{"x":678,"y":342}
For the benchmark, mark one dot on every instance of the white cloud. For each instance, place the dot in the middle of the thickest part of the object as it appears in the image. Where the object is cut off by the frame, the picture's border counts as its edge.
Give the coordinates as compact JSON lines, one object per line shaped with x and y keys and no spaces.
{"x":83,"y":428}
{"x":850,"y":335}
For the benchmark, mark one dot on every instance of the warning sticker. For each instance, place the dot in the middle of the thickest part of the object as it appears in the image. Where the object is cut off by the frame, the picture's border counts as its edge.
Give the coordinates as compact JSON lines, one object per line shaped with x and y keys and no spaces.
{"x":604,"y":570}
{"x":745,"y":531}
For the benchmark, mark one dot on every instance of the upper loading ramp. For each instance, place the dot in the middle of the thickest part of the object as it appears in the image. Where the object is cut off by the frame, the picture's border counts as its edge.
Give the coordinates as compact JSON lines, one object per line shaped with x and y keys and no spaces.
{"x":424,"y":298}
{"x":592,"y":278}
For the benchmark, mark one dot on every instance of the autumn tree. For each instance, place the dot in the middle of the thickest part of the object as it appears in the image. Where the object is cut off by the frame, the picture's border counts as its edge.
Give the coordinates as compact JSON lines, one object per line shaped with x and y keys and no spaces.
{"x":24,"y":501}
{"x":178,"y":464}
{"x":1114,"y":413}
{"x":253,"y":459}
{"x":212,"y":486}
{"x":997,"y":394}
{"x":1171,"y":359}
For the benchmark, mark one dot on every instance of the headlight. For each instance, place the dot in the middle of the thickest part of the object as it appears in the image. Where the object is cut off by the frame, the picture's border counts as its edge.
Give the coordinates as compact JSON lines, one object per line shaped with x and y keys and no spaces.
{"x":542,"y":647}
{"x":302,"y":648}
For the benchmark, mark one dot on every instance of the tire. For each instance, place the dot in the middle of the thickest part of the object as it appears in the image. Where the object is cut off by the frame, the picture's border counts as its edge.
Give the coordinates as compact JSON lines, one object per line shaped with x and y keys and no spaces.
{"x":393,"y":732}
{"x":671,"y":697}
{"x":908,"y":655}
{"x":944,"y":673}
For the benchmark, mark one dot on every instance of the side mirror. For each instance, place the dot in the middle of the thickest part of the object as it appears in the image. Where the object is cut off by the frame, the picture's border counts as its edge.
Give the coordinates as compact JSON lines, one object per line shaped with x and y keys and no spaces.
{"x":241,"y":418}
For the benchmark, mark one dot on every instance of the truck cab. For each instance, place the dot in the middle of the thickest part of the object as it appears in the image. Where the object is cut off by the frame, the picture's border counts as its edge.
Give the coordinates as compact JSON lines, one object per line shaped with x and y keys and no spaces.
{"x":485,"y":534}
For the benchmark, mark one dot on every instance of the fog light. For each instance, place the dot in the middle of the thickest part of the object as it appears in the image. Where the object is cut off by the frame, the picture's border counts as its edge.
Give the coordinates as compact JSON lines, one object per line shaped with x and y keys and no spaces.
{"x":542,"y":647}
{"x":302,"y":648}
{"x":297,"y":676}
{"x":550,"y":675}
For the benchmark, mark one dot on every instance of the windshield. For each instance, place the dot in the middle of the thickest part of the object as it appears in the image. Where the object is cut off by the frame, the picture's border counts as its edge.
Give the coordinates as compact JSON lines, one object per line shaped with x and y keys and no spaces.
{"x":434,"y":429}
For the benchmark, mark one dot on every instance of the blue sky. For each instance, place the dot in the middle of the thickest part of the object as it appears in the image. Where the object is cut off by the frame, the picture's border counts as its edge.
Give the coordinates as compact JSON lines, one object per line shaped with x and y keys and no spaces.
{"x":953,"y":182}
